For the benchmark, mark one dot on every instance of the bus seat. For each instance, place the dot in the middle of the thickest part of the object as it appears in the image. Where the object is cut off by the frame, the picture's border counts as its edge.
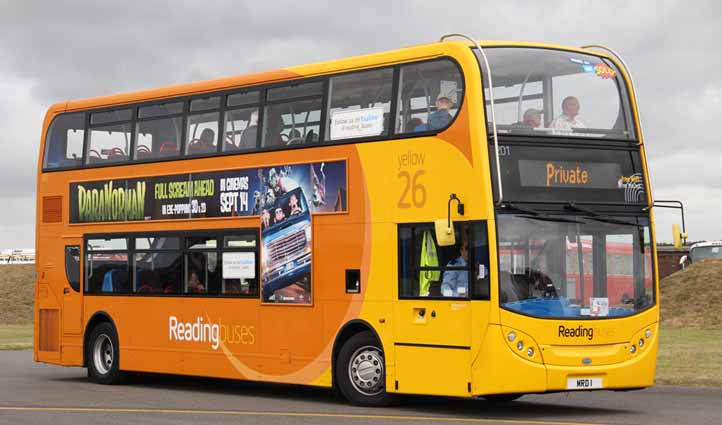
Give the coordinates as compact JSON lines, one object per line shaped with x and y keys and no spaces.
{"x":107,"y":282}
{"x":506,"y":287}
{"x":168,"y":148}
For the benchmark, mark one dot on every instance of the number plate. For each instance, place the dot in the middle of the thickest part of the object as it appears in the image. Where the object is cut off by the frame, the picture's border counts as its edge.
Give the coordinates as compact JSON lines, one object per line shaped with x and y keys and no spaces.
{"x":582,"y":383}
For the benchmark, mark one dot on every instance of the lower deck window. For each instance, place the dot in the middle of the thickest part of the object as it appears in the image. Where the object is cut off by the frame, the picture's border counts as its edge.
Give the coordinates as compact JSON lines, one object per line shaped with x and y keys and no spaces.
{"x":428,"y":270}
{"x":174,"y":264}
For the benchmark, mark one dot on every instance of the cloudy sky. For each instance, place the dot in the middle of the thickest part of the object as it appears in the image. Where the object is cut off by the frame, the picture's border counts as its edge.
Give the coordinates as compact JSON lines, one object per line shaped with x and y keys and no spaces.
{"x":59,"y":50}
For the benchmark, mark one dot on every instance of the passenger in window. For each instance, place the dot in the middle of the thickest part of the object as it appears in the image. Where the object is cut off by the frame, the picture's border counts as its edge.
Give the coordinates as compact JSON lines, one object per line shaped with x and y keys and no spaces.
{"x":248,"y":138}
{"x":274,"y":137}
{"x":204,"y":144}
{"x":441,"y":117}
{"x":455,"y":283}
{"x":531,"y":119}
{"x":412,"y":124}
{"x":195,"y":286}
{"x":568,"y":119}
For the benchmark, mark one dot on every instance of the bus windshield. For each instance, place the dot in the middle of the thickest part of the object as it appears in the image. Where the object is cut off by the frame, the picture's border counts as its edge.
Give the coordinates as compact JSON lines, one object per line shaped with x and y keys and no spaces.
{"x":574,"y":266}
{"x":543,"y":92}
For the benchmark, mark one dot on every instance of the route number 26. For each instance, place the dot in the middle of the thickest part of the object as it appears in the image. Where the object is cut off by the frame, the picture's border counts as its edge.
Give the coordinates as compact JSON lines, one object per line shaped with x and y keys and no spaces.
{"x":413,"y":187}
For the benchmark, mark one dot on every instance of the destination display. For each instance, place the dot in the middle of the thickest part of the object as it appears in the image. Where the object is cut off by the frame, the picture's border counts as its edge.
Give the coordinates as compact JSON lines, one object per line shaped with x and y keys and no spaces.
{"x":242,"y":192}
{"x":589,"y":175}
{"x":555,"y":174}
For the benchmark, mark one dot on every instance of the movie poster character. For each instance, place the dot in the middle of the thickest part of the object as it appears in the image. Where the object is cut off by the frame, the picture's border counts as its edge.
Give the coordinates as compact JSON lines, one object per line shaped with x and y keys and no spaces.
{"x":286,"y":244}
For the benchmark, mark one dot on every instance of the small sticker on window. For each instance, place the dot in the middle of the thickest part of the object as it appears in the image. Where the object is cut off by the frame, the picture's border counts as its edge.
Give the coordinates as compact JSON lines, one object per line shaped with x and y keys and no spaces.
{"x":715,"y":250}
{"x":346,"y":124}
{"x":604,"y":71}
{"x":239,"y":265}
{"x":599,"y":307}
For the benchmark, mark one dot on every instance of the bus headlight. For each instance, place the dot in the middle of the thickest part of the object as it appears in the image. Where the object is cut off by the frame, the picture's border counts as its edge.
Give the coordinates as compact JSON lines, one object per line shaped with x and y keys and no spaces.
{"x":522,"y":345}
{"x":648,"y":333}
{"x":641,"y":342}
{"x":633,"y":349}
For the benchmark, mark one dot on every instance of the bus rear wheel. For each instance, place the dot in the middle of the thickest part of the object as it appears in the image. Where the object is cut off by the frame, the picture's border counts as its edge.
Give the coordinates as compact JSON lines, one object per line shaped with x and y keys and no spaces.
{"x":361,"y":371}
{"x":103,"y":355}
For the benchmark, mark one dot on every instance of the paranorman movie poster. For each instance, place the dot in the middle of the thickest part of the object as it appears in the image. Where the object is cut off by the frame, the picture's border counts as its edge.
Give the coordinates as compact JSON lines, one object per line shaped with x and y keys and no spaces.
{"x":243,"y":192}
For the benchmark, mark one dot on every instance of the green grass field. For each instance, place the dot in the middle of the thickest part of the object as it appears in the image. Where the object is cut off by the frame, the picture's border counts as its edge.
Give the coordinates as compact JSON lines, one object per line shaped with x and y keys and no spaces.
{"x":16,"y":337}
{"x":690,"y":357}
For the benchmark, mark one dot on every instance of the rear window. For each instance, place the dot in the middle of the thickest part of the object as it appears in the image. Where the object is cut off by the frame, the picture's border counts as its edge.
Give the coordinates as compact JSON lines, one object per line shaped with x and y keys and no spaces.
{"x":64,"y":142}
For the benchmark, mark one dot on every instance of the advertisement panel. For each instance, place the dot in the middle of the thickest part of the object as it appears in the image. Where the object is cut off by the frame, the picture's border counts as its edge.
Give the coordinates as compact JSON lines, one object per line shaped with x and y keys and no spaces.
{"x":229,"y":193}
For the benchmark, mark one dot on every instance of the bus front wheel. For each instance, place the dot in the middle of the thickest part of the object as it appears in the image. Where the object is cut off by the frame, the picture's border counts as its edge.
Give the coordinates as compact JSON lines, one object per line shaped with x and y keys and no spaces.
{"x":361,"y":371}
{"x":102,"y":354}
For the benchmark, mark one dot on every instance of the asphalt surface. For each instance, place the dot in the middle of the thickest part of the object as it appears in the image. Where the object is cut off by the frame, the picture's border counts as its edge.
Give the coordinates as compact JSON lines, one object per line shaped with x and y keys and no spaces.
{"x":33,"y":393}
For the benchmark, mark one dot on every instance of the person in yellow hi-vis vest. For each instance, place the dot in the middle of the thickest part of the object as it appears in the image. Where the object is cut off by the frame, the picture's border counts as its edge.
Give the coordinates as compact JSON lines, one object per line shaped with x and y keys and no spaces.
{"x":428,"y":259}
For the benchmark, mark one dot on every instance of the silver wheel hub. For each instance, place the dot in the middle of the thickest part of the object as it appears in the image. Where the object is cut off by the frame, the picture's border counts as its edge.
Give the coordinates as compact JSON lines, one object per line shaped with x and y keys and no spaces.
{"x":103,"y":354}
{"x":366,"y":370}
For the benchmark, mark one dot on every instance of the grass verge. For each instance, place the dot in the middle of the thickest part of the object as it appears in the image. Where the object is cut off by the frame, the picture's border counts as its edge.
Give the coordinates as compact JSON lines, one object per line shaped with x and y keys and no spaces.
{"x":16,"y":337}
{"x":690,"y":357}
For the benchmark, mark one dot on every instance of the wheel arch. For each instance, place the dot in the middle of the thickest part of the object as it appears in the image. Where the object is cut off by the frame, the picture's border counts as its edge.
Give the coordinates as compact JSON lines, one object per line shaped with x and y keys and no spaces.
{"x":348,"y":330}
{"x":97,"y":318}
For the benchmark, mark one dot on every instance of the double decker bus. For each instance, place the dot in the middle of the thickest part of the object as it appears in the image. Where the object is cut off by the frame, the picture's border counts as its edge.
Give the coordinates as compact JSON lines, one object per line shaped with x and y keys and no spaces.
{"x":442,"y":219}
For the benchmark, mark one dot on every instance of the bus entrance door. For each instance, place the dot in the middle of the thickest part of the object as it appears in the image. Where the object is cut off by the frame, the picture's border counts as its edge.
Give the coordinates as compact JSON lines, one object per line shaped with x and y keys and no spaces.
{"x":433,"y":347}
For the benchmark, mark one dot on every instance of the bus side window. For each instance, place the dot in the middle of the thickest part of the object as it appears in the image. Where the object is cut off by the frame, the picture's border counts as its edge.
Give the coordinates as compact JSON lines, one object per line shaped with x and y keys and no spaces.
{"x":293,"y":115}
{"x":72,"y":266}
{"x":359,"y":96}
{"x":429,"y":96}
{"x":64,"y":142}
{"x":480,"y":266}
{"x":429,"y":270}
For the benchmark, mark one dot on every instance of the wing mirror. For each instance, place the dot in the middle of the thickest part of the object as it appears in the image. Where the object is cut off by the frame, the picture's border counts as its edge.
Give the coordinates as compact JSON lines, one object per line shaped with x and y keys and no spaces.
{"x":444,"y":227}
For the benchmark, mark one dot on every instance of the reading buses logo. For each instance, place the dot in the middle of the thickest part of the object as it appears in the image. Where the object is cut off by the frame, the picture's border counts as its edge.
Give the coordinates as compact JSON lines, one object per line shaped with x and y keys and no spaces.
{"x":633,"y":187}
{"x":212,"y":333}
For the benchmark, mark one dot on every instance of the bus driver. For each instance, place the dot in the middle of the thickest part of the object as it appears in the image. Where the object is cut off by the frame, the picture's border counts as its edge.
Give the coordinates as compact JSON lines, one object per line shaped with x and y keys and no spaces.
{"x":456,"y":282}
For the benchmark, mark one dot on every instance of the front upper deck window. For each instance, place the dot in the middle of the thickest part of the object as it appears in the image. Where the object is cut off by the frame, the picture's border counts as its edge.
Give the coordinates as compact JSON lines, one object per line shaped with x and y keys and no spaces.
{"x":542,"y":92}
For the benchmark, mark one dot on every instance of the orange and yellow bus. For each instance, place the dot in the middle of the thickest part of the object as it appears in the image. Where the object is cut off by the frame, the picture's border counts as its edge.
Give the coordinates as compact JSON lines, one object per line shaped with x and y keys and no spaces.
{"x":414,"y":221}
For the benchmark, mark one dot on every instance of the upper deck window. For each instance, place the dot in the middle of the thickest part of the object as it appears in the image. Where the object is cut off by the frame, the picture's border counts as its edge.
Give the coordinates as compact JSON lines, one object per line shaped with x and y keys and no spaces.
{"x":555,"y":93}
{"x":429,"y":96}
{"x":64,"y":143}
{"x":359,"y":104}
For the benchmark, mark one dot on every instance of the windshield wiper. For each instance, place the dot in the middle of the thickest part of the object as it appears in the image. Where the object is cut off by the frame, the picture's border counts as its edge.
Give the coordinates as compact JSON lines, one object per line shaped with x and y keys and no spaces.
{"x":510,"y":206}
{"x":596,"y":217}
{"x":536,"y":215}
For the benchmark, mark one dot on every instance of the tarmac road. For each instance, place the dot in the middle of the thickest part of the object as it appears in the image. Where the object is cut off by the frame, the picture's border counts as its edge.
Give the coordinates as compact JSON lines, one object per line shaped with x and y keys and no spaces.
{"x":33,"y":393}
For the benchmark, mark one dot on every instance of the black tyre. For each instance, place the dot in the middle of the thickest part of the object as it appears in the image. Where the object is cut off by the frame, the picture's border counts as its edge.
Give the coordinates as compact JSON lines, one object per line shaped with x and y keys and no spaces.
{"x":361,"y":371}
{"x":502,"y":398}
{"x":102,"y":354}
